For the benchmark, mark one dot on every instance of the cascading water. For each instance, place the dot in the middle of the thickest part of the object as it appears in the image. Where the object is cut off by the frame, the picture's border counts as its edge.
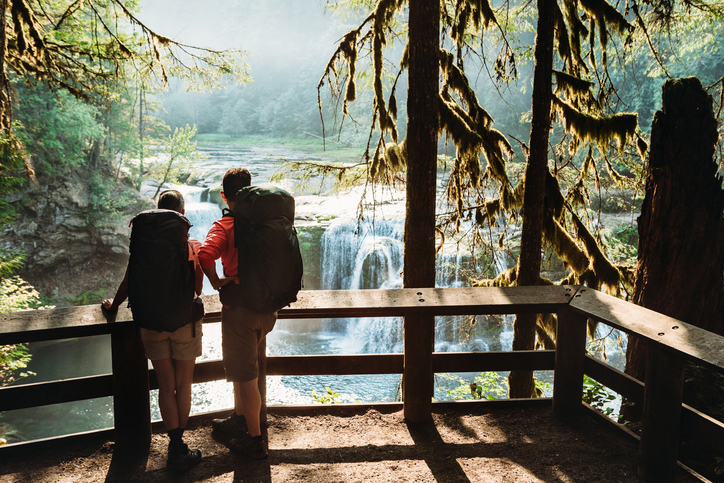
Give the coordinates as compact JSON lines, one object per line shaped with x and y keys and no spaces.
{"x":363,"y":255}
{"x":368,"y":254}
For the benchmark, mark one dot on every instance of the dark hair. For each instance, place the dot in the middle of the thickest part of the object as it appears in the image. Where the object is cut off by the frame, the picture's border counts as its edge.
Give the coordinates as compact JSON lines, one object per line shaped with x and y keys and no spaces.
{"x":171,"y":200}
{"x":234,"y":180}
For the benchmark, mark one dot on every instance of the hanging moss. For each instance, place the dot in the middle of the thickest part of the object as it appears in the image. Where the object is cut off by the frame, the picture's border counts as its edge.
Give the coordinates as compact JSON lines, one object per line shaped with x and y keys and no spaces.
{"x":599,"y":129}
{"x":561,"y":32}
{"x":546,"y":327}
{"x":643,"y":146}
{"x":573,"y":89}
{"x":607,"y":274}
{"x":565,"y":247}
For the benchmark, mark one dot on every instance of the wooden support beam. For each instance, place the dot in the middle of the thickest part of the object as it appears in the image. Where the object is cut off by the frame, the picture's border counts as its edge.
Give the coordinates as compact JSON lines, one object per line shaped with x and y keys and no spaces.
{"x":660,"y":426}
{"x":131,"y":405}
{"x":357,"y":364}
{"x":620,"y":382}
{"x":493,"y":361}
{"x":570,"y":355}
{"x":55,"y":392}
{"x":261,"y":381}
{"x":694,"y":343}
{"x":417,"y":379}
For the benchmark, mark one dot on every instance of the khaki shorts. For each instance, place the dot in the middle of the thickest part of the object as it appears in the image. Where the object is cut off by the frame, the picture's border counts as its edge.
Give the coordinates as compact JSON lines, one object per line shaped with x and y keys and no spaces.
{"x":241,"y":333}
{"x":180,"y":345}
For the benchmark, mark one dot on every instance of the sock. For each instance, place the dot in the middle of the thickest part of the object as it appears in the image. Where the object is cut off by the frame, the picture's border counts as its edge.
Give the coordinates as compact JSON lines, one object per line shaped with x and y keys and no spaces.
{"x":176,"y":442}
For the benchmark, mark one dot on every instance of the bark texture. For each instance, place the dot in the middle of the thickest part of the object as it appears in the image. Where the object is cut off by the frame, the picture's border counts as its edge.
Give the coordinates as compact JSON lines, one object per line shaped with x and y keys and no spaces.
{"x":419,"y":237}
{"x":521,"y":384}
{"x":681,"y":231}
{"x":5,"y":106}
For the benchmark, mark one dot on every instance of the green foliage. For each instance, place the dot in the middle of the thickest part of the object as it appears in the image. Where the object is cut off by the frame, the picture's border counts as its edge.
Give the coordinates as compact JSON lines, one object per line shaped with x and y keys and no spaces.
{"x":12,"y":160}
{"x":17,"y":294}
{"x":107,"y":198}
{"x":623,"y":245}
{"x":83,"y":47}
{"x":330,"y":397}
{"x":542,"y":388}
{"x":597,"y":396}
{"x":56,"y":127}
{"x":10,"y":261}
{"x":175,"y":158}
{"x":92,"y":297}
{"x":486,"y":385}
{"x":13,"y":359}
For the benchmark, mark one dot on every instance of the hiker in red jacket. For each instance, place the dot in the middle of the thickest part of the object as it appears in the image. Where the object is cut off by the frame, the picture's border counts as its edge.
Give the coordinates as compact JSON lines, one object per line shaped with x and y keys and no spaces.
{"x":241,"y":330}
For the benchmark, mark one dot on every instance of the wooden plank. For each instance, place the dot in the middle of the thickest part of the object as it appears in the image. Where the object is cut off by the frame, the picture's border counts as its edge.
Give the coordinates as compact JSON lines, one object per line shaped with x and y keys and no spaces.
{"x":208,"y":371}
{"x":36,"y":446}
{"x":131,"y":405}
{"x":318,"y":365}
{"x":36,"y":325}
{"x":693,"y":342}
{"x":570,"y":354}
{"x":700,"y":427}
{"x":493,"y":361}
{"x":620,"y":382}
{"x":55,"y":392}
{"x":661,"y":422}
{"x":33,"y":325}
{"x":695,"y":425}
{"x":261,"y":380}
{"x":435,"y":301}
{"x":418,"y":378}
{"x":362,"y":364}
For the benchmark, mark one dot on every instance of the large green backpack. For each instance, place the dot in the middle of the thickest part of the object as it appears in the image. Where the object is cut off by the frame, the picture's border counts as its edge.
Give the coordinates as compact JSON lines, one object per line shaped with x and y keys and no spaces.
{"x":270,"y":263}
{"x":160,"y":275}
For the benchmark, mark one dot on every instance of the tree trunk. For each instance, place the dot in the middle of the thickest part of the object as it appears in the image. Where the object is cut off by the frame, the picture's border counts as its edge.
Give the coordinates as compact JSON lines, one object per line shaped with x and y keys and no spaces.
{"x":681,"y":232}
{"x":5,"y":106}
{"x":419,"y":238}
{"x":521,"y":383}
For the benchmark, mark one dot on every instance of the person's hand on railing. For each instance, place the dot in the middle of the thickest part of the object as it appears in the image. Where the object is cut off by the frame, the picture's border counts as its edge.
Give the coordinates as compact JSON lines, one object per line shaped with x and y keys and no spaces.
{"x":108,"y":305}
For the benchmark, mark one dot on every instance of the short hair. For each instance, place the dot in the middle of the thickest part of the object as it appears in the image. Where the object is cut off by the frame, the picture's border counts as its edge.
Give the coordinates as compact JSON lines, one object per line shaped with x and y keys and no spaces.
{"x":171,"y":200}
{"x":234,"y":180}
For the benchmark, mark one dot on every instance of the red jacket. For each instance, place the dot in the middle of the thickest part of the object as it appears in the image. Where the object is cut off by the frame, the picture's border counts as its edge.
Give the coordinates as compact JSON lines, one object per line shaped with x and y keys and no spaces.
{"x":219,"y":243}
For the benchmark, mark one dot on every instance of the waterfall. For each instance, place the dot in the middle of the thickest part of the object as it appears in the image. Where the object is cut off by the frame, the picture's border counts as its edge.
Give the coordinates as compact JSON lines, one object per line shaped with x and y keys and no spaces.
{"x":364,"y":255}
{"x":369,"y":245}
{"x":368,"y":255}
{"x":201,"y":216}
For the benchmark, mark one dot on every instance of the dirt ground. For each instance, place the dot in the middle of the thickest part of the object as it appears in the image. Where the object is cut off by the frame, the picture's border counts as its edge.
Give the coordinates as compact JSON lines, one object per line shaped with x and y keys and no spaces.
{"x":470,"y":445}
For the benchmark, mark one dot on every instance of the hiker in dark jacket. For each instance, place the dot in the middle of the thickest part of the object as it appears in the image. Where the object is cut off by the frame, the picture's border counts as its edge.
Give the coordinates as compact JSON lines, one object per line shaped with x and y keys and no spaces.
{"x":241,"y":330}
{"x":173,"y":355}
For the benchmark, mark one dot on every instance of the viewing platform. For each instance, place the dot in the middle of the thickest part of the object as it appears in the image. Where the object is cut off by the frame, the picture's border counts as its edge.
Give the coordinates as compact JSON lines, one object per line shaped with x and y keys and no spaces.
{"x":545,"y":439}
{"x":473,"y":442}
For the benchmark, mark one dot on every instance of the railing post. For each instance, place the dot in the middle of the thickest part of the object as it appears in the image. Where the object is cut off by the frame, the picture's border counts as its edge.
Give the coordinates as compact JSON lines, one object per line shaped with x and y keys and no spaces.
{"x":261,"y":381}
{"x":570,"y":357}
{"x":663,"y":395}
{"x":131,"y":405}
{"x":417,"y":390}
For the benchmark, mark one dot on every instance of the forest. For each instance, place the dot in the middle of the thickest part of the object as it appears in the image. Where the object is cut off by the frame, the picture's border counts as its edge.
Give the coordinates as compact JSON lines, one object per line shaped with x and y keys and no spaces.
{"x":537,"y":122}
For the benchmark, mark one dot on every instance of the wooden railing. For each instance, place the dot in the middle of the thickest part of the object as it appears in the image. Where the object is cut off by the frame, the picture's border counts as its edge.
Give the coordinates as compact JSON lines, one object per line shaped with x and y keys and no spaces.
{"x":670,"y":343}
